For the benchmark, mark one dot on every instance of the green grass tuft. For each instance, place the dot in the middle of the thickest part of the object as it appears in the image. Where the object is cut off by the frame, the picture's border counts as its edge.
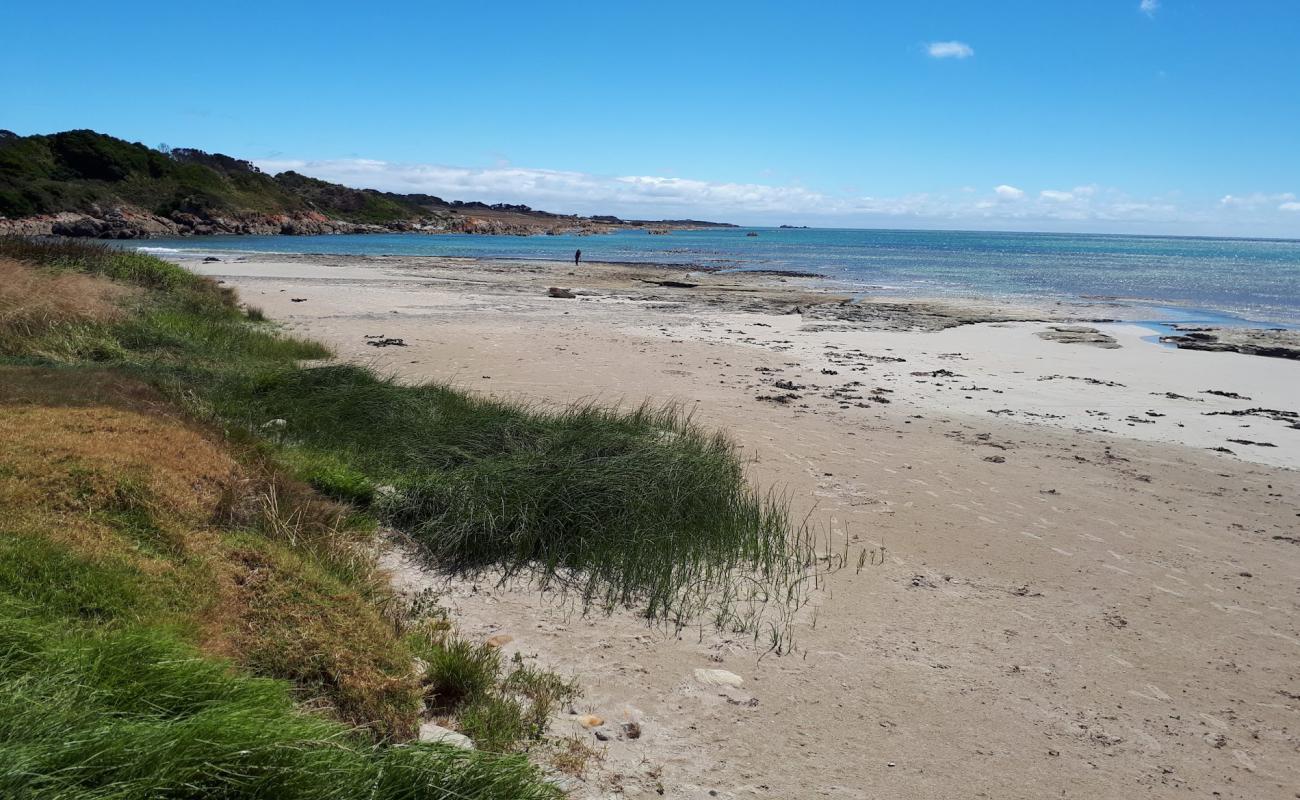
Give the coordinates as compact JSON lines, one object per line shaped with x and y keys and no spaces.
{"x":457,"y":670}
{"x":637,"y":506}
{"x":133,"y":713}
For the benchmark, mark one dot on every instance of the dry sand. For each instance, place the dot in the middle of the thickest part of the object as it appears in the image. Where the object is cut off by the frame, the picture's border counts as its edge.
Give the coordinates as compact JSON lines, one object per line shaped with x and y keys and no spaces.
{"x":1078,"y":598}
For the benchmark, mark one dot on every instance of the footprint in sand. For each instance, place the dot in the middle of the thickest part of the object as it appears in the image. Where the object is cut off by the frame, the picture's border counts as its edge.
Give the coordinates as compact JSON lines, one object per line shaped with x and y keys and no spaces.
{"x":718,"y":677}
{"x":1152,"y":693}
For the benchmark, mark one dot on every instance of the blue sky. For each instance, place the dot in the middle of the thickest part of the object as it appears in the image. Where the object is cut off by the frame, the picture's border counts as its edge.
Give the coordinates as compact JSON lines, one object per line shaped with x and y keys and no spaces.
{"x":1176,"y":116}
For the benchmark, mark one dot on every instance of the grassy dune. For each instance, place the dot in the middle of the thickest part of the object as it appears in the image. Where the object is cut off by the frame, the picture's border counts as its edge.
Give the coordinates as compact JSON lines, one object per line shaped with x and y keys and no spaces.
{"x":188,"y":592}
{"x":637,"y":507}
{"x":177,"y":619}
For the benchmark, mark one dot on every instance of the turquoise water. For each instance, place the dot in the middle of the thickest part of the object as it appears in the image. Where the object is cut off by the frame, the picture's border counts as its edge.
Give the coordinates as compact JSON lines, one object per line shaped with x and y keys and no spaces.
{"x":1254,"y":279}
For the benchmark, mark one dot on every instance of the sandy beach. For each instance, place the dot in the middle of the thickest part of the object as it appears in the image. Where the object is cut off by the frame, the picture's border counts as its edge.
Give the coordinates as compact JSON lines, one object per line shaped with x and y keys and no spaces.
{"x":1084,"y":545}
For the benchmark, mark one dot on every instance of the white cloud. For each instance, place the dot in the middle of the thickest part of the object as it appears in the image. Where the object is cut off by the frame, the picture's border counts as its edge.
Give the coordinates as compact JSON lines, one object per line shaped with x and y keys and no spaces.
{"x":563,"y":191}
{"x":949,"y":50}
{"x":1085,"y":207}
{"x":1149,"y":7}
{"x":1255,"y":200}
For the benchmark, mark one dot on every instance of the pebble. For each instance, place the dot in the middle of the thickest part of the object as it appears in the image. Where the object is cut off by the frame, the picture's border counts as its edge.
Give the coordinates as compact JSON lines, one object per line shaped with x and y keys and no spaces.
{"x":433,"y":732}
{"x":500,"y":640}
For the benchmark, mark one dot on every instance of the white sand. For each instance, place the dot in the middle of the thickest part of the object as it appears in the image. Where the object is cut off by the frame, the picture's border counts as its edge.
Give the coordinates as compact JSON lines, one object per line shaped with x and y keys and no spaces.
{"x":1061,"y":612}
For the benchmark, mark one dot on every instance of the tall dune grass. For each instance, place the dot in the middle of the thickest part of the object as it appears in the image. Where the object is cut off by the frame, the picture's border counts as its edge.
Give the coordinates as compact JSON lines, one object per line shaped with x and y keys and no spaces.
{"x":635,"y":507}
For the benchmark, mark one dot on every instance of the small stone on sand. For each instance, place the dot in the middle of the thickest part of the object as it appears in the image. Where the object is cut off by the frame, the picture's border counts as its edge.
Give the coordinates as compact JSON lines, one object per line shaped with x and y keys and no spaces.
{"x":433,"y":732}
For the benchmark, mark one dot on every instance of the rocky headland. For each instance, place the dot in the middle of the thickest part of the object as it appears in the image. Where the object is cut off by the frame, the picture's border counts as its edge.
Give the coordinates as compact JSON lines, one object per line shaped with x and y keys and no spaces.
{"x":126,"y":222}
{"x":87,"y":184}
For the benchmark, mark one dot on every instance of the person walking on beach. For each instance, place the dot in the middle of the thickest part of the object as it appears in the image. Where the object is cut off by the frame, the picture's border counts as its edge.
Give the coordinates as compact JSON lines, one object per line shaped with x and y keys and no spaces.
{"x":577,"y":256}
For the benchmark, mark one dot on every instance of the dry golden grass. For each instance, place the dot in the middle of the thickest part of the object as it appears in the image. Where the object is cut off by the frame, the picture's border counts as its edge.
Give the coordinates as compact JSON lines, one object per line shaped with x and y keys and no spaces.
{"x":80,"y":387}
{"x":83,"y":459}
{"x":35,"y":302}
{"x":261,"y":569}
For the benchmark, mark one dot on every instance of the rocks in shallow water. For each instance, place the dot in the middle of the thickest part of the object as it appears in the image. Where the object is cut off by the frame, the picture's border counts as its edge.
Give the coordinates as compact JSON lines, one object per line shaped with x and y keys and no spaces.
{"x":433,"y":732}
{"x":718,"y":677}
{"x":1271,"y":342}
{"x":1078,"y":334}
{"x":563,"y":294}
{"x":675,"y":285}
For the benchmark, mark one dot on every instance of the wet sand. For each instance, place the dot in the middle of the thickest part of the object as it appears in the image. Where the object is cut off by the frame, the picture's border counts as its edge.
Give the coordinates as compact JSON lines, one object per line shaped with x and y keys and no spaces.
{"x":1079,"y":596}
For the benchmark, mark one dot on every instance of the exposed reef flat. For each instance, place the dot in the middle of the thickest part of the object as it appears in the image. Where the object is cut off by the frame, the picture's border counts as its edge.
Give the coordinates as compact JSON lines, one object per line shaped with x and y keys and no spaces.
{"x":1270,"y":342}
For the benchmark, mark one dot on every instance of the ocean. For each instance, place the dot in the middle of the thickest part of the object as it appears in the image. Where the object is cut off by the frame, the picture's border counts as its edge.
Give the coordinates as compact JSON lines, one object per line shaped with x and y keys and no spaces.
{"x":1184,"y":279}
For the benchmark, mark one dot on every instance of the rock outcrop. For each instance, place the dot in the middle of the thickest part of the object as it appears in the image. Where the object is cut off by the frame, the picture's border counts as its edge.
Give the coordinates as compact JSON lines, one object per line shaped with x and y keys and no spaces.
{"x":133,"y":223}
{"x":1270,"y":342}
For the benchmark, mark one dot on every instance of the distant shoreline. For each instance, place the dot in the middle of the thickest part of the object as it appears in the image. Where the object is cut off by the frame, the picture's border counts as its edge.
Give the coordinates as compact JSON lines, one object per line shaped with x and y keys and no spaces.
{"x":930,"y":269}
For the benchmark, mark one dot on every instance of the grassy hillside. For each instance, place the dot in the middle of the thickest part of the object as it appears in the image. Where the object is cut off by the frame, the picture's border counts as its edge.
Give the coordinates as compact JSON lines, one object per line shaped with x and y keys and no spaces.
{"x":188,"y":591}
{"x":77,"y":170}
{"x":168,"y":192}
{"x":179,"y":615}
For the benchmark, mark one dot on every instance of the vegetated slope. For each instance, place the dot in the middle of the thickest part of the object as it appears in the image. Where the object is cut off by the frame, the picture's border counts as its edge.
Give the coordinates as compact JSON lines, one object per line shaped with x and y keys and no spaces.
{"x":83,"y":183}
{"x":181,"y":617}
{"x":172,"y":579}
